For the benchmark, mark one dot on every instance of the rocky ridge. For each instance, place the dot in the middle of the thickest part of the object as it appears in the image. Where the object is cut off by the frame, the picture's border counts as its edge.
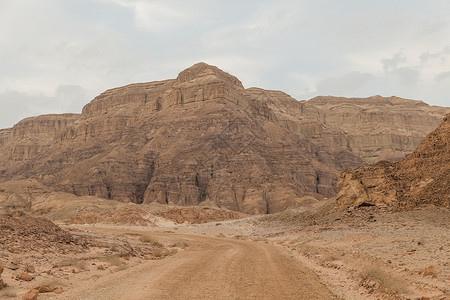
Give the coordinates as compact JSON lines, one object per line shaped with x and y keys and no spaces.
{"x":422,"y":177}
{"x":203,"y":139}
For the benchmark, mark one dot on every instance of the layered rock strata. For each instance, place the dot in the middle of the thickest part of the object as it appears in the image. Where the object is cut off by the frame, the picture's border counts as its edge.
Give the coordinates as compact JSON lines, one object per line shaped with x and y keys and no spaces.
{"x":203,"y":139}
{"x":422,"y":177}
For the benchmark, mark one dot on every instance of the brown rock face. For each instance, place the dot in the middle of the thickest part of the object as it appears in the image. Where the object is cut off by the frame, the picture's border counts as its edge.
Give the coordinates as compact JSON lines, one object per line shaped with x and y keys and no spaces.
{"x":376,"y":128}
{"x":422,"y":177}
{"x":203,"y":139}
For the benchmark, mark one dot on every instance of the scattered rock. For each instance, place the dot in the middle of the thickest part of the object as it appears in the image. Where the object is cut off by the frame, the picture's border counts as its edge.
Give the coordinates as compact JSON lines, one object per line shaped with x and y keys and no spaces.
{"x":44,"y":289}
{"x":24,"y":277}
{"x":429,"y":271}
{"x":12,"y":264}
{"x":58,"y":290}
{"x":31,"y":295}
{"x":29,"y":268}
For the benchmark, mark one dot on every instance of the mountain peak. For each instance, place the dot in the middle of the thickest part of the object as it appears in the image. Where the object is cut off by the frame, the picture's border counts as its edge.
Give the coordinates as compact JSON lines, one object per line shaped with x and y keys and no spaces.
{"x":203,"y":70}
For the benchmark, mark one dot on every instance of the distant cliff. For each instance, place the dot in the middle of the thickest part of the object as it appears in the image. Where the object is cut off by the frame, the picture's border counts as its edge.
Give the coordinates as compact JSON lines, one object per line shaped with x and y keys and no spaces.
{"x":422,"y":177}
{"x":203,"y":139}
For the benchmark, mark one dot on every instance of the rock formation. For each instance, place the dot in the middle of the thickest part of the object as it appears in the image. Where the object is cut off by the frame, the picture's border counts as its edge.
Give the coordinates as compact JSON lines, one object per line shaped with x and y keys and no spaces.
{"x":203,"y":139}
{"x":376,"y":128}
{"x":422,"y":177}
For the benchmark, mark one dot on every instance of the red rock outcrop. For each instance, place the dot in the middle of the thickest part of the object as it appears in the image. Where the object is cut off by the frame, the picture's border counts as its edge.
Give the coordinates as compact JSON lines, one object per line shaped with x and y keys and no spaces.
{"x":203,"y":139}
{"x":422,"y":177}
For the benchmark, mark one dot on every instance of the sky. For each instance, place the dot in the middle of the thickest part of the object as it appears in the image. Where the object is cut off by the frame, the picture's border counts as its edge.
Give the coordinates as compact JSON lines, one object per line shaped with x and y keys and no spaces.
{"x":57,"y":55}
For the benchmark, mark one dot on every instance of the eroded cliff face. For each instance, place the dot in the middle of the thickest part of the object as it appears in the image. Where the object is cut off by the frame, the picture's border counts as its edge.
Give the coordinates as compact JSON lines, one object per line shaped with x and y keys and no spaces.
{"x":422,"y":177}
{"x":376,"y":128}
{"x":199,"y":139}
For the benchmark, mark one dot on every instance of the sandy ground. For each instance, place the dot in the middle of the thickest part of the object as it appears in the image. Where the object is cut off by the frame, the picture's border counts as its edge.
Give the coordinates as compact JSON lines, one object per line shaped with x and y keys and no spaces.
{"x":210,"y":268}
{"x":363,"y":254}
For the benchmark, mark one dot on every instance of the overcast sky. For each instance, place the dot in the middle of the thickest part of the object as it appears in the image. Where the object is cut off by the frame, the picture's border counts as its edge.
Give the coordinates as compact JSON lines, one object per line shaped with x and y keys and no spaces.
{"x":57,"y":55}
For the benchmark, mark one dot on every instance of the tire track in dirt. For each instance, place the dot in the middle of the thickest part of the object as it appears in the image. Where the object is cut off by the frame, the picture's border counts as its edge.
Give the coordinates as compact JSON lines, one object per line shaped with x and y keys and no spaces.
{"x":212,"y":268}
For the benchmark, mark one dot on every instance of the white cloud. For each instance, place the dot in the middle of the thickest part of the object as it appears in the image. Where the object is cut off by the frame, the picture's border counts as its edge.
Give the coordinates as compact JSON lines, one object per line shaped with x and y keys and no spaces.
{"x":443,"y":76}
{"x":17,"y":105}
{"x":159,"y":16}
{"x":352,"y":48}
{"x":345,"y":85}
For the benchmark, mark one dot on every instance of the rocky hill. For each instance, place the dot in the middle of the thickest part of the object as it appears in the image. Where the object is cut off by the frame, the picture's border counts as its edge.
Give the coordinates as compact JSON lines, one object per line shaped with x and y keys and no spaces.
{"x":422,"y":177}
{"x":203,"y":139}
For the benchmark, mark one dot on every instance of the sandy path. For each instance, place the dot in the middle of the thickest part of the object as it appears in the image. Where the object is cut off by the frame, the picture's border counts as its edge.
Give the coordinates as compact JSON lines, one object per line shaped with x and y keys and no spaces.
{"x":213,"y":268}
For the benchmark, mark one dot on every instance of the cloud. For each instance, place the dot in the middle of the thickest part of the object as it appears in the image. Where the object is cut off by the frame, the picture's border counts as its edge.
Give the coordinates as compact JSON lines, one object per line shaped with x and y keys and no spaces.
{"x":345,"y":85}
{"x":396,"y":66}
{"x":439,"y":55}
{"x":300,"y":47}
{"x":159,"y":16}
{"x":391,"y":64}
{"x":16,"y":105}
{"x":442,"y":76}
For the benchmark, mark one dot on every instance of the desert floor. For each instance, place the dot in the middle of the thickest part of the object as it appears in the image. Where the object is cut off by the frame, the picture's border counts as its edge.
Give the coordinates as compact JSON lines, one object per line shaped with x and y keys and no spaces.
{"x":361,"y":254}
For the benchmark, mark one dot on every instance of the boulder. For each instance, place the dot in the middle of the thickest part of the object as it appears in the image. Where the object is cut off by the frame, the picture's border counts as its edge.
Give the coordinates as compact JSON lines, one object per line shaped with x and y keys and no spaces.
{"x":31,"y":295}
{"x":24,"y":276}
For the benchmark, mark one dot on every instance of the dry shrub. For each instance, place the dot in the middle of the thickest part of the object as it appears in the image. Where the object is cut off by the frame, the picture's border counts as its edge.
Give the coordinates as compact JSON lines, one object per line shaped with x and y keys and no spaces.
{"x":328,"y":258}
{"x":148,"y":240}
{"x":260,"y":239}
{"x":160,"y":253}
{"x":113,"y":260}
{"x":53,"y":282}
{"x":306,"y":249}
{"x":8,"y":292}
{"x":71,"y":262}
{"x":180,"y":244}
{"x":385,"y":280}
{"x":121,"y":267}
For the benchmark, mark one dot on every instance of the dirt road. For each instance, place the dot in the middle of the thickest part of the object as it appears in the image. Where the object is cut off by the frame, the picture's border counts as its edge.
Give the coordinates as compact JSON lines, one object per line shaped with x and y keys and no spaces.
{"x":212,"y":268}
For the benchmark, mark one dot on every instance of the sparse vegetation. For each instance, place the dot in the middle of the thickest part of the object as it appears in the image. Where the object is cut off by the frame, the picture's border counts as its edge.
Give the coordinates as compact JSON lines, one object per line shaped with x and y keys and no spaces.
{"x":179,"y":244}
{"x":121,"y":267}
{"x":71,"y":262}
{"x":385,"y":280}
{"x":306,"y":249}
{"x":328,"y":258}
{"x":149,"y":240}
{"x":53,"y":282}
{"x":160,"y":253}
{"x":113,"y":260}
{"x":8,"y":292}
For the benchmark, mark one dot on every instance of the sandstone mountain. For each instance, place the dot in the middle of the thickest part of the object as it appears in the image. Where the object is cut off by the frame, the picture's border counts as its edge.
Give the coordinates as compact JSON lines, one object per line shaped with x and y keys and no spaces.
{"x":422,"y":177}
{"x":203,"y":139}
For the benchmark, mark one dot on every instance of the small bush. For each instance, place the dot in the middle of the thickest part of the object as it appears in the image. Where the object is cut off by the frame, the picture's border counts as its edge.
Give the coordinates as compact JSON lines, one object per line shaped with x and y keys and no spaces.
{"x":148,"y":240}
{"x":328,"y":258}
{"x":53,"y":282}
{"x":71,"y":262}
{"x":8,"y":292}
{"x":121,"y":267}
{"x":385,"y":280}
{"x":179,"y":244}
{"x":160,"y":253}
{"x":308,"y":249}
{"x":113,"y":260}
